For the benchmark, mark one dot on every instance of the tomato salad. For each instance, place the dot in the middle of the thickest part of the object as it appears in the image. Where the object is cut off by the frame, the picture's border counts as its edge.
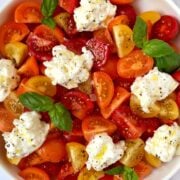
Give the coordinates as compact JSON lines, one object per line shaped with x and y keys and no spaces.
{"x":88,"y":89}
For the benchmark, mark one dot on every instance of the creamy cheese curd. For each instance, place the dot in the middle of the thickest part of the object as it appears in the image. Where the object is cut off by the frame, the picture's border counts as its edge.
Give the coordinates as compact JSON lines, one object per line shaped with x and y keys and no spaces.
{"x":103,"y":152}
{"x":28,"y":135}
{"x":8,"y":78}
{"x":93,"y":14}
{"x":164,"y":142}
{"x":152,"y":87}
{"x":68,"y":69}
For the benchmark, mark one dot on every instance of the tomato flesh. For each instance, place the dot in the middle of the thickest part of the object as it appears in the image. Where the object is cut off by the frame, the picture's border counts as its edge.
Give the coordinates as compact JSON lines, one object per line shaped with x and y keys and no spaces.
{"x":79,"y":103}
{"x":69,"y":6}
{"x":166,"y":28}
{"x":176,"y":75}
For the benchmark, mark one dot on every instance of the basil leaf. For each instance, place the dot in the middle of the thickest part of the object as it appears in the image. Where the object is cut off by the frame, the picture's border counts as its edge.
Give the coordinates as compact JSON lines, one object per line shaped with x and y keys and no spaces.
{"x":48,"y":7}
{"x":168,"y":63}
{"x":140,"y":32}
{"x":157,"y":48}
{"x":36,"y":102}
{"x":49,"y":22}
{"x":128,"y":173}
{"x":61,"y":117}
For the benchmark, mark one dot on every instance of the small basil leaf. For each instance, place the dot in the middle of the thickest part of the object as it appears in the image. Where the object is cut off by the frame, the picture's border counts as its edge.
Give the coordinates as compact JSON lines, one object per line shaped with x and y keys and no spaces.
{"x":168,"y":63}
{"x":115,"y":171}
{"x":48,"y":7}
{"x":49,"y":22}
{"x":61,"y":117}
{"x":130,"y":174}
{"x":157,"y":48}
{"x":36,"y":102}
{"x":140,"y":32}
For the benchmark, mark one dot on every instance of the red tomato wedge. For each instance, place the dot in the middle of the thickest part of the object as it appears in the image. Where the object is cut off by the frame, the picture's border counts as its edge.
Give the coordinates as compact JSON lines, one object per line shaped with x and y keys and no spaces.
{"x":28,"y":12}
{"x":33,"y":173}
{"x":176,"y":75}
{"x":78,"y":103}
{"x":166,"y":28}
{"x":121,"y":1}
{"x":11,"y":32}
{"x":69,"y":6}
{"x":95,"y":124}
{"x":29,"y":68}
{"x":104,"y":88}
{"x":6,"y":119}
{"x":121,"y":94}
{"x":135,"y":64}
{"x":127,"y":123}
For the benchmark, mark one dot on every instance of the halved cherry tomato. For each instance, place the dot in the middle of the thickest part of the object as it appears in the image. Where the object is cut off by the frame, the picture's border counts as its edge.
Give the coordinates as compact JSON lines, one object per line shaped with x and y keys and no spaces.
{"x":151,"y":16}
{"x":11,"y":32}
{"x":101,"y":51}
{"x":6,"y":119}
{"x":166,"y":28}
{"x":12,"y":104}
{"x":121,"y":19}
{"x":104,"y":88}
{"x":79,"y":103}
{"x":176,"y":75}
{"x":69,"y":6}
{"x":129,"y":11}
{"x":33,"y":173}
{"x":143,"y":169}
{"x":28,"y":12}
{"x":135,"y":64}
{"x":120,"y":96}
{"x":95,"y":124}
{"x":152,"y":160}
{"x":121,"y":1}
{"x":29,"y":68}
{"x":110,"y":67}
{"x":41,"y":84}
{"x":127,"y":123}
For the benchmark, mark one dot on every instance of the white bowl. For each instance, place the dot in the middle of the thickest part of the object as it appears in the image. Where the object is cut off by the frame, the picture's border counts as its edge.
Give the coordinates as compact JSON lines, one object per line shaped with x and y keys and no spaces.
{"x":9,"y":172}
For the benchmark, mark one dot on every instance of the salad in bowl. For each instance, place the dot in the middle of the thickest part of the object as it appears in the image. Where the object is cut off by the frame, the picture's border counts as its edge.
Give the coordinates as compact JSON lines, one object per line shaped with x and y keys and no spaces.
{"x":89,"y":89}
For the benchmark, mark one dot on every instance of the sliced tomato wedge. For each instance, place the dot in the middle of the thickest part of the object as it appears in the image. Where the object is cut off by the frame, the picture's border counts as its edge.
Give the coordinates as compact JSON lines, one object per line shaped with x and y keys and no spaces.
{"x":176,"y":75}
{"x":95,"y":124}
{"x":121,"y":94}
{"x":33,"y":173}
{"x":104,"y":88}
{"x":12,"y":32}
{"x":121,"y":1}
{"x":135,"y":64}
{"x":166,"y":28}
{"x":127,"y":123}
{"x":69,"y":6}
{"x":100,"y":50}
{"x":79,"y":103}
{"x":28,"y":12}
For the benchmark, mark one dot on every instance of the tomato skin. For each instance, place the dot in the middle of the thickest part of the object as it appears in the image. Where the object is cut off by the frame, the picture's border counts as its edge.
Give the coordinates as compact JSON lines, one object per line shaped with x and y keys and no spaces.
{"x":129,"y":11}
{"x":176,"y":75}
{"x":121,"y":1}
{"x":12,"y":32}
{"x":69,"y":6}
{"x":127,"y":123}
{"x":28,"y":12}
{"x":33,"y":173}
{"x":79,"y":103}
{"x":104,"y":88}
{"x":124,"y":82}
{"x":135,"y":64}
{"x":166,"y":28}
{"x":100,"y":50}
{"x":178,"y":98}
{"x":110,"y":67}
{"x":95,"y":124}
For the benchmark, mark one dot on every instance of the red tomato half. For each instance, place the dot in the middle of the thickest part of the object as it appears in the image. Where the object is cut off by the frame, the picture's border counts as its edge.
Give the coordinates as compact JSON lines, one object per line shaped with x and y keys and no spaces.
{"x":95,"y":124}
{"x":129,"y":11}
{"x":33,"y":173}
{"x":79,"y":103}
{"x":69,"y":5}
{"x":127,"y":123}
{"x":28,"y":12}
{"x":166,"y":28}
{"x":176,"y":75}
{"x":11,"y":32}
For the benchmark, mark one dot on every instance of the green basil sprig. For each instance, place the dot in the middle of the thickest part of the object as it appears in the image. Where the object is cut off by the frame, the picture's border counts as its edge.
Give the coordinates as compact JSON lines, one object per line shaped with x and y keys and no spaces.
{"x":166,"y":59}
{"x":140,"y":32}
{"x":47,"y":9}
{"x":128,"y":173}
{"x":59,"y":115}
